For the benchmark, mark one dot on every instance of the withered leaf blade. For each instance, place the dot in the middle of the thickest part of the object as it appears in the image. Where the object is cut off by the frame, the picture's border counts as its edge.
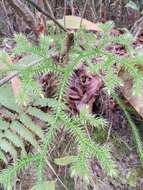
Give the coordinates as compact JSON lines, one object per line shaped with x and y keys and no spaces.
{"x":73,"y":22}
{"x":127,"y":91}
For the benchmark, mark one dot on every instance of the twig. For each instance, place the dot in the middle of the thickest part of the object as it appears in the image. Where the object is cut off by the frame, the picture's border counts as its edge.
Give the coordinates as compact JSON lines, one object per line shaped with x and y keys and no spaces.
{"x":84,"y":9}
{"x":100,"y":11}
{"x":48,"y":7}
{"x":93,"y":10}
{"x":65,"y":9}
{"x":72,"y":7}
{"x":109,"y":133}
{"x":53,"y":170}
{"x":47,"y":15}
{"x":8,"y":78}
{"x":14,"y":74}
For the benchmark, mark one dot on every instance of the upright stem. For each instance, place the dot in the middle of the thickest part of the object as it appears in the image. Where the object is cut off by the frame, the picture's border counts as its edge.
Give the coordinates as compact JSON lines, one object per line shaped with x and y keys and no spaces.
{"x":72,"y":7}
{"x":65,"y":8}
{"x":83,"y":13}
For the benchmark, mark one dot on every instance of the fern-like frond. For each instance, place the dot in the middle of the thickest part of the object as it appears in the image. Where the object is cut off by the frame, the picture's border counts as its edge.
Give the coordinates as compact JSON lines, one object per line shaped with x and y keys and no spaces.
{"x":50,"y":102}
{"x":3,"y":157}
{"x":4,"y":125}
{"x":24,"y":46}
{"x":15,"y":139}
{"x":8,"y":148}
{"x":54,"y":124}
{"x":7,"y":98}
{"x":81,"y":166}
{"x":33,"y":127}
{"x":22,"y":128}
{"x":102,"y":153}
{"x":7,"y":175}
{"x":24,"y":133}
{"x":86,"y":118}
{"x":38,"y":113}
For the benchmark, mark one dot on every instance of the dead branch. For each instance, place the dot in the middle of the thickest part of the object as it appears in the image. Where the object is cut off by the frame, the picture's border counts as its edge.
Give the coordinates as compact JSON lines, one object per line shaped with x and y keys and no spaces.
{"x":8,"y":78}
{"x":23,"y":11}
{"x":48,"y":7}
{"x":47,"y":15}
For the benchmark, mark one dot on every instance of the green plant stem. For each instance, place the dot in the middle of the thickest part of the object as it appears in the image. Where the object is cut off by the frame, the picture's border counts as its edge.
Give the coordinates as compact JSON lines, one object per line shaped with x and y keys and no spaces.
{"x":133,"y":127}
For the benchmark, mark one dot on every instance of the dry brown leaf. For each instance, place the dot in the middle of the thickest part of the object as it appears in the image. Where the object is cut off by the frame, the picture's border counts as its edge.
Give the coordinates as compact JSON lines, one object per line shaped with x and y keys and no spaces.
{"x":41,"y":28}
{"x":73,"y":22}
{"x":135,"y":101}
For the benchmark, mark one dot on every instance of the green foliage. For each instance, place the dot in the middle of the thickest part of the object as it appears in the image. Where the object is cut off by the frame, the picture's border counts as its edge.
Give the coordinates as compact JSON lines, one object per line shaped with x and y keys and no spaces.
{"x":7,"y":99}
{"x":86,"y":118}
{"x":48,"y":185}
{"x":65,"y":160}
{"x":88,"y":148}
{"x":22,"y":127}
{"x":7,"y":175}
{"x":135,"y":131}
{"x":132,"y":5}
{"x":106,"y":64}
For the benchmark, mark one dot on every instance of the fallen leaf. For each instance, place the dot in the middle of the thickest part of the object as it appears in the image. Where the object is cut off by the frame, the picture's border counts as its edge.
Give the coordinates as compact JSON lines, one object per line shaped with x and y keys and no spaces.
{"x":127,"y":90}
{"x":73,"y":22}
